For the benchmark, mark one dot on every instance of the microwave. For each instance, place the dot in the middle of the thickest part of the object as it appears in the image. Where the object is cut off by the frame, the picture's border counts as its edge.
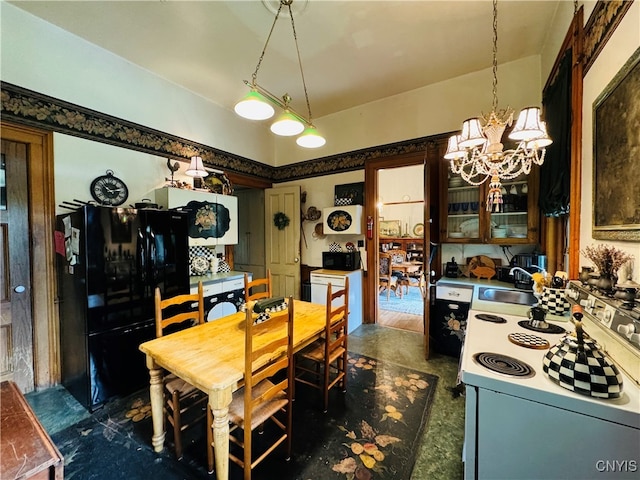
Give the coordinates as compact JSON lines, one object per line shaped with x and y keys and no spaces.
{"x":347,"y":261}
{"x":345,"y":220}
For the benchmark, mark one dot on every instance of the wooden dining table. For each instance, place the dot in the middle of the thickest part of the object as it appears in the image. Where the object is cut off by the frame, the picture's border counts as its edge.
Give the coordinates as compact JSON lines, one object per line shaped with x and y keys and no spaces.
{"x":405,"y":268}
{"x":211,"y":357}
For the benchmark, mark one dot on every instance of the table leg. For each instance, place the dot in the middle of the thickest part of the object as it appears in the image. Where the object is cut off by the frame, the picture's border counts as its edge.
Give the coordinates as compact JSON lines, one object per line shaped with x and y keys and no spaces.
{"x":219,"y":404}
{"x":156,"y":395}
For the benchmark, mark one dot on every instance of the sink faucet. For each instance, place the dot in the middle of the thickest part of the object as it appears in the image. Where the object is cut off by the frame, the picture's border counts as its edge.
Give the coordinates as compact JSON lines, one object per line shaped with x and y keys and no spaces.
{"x":544,"y":272}
{"x":519,"y":269}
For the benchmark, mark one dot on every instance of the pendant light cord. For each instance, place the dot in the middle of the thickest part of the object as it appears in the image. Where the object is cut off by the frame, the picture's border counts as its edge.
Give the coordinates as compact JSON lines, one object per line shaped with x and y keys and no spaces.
{"x":495,"y":55}
{"x":254,"y":77}
{"x":295,"y":39}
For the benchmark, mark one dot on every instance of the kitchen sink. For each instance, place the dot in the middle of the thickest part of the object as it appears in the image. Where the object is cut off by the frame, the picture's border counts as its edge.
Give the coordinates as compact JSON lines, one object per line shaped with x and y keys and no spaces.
{"x":518,"y":297}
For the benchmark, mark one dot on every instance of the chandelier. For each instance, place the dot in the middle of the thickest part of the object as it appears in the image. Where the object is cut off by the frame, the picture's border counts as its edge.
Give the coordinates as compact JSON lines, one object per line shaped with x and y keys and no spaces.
{"x":477,"y":154}
{"x":258,"y":103}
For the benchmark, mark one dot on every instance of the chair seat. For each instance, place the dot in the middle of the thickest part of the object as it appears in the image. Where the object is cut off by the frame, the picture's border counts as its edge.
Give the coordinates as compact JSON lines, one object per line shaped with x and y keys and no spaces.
{"x":176,"y":384}
{"x":263,"y":411}
{"x":315,"y":352}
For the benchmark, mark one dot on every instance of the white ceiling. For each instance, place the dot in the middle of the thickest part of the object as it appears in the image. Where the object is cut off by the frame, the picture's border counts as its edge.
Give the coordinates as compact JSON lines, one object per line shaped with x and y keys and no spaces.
{"x":353,"y":52}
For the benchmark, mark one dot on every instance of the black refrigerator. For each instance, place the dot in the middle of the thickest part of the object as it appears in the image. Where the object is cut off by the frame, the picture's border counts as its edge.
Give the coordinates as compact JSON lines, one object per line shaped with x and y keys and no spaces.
{"x":110,"y":260}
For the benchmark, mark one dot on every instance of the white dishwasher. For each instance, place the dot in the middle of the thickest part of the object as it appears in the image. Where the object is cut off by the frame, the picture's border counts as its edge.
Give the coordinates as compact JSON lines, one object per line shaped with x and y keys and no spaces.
{"x":321,"y":278}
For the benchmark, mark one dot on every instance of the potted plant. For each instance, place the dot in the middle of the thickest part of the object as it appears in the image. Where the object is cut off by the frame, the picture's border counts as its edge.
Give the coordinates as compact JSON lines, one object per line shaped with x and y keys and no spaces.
{"x":607,"y":259}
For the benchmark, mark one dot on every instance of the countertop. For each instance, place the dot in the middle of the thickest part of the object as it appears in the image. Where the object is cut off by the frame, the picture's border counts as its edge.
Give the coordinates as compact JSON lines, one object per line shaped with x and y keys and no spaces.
{"x":482,"y":282}
{"x":497,"y":307}
{"x":326,"y":271}
{"x":215,"y":277}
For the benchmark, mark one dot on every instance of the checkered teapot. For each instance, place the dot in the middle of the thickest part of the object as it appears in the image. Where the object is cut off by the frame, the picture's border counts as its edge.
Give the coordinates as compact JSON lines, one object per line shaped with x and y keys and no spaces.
{"x":577,"y":363}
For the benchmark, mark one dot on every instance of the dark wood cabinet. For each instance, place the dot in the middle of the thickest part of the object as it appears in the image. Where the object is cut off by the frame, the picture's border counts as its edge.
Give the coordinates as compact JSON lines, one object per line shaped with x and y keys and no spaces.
{"x":464,"y":217}
{"x":413,"y":246}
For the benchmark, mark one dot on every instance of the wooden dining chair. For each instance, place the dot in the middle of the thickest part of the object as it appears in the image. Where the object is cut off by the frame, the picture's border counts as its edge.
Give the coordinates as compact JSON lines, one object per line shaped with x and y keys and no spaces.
{"x":323,"y":364}
{"x":184,"y":405}
{"x":264,"y":284}
{"x":266,"y":399}
{"x":386,"y":281}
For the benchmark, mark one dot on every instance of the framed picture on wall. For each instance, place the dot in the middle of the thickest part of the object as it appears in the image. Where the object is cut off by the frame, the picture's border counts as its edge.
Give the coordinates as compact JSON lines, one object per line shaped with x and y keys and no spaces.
{"x":616,"y":156}
{"x":390,"y":228}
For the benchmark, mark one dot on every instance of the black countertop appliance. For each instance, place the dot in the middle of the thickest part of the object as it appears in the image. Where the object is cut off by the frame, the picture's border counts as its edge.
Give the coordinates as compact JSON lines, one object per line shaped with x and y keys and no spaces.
{"x":531,"y":263}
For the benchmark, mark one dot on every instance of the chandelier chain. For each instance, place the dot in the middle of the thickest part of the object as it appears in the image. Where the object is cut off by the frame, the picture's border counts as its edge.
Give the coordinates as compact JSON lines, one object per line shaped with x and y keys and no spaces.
{"x":495,"y":55}
{"x":295,"y":40}
{"x":254,"y":77}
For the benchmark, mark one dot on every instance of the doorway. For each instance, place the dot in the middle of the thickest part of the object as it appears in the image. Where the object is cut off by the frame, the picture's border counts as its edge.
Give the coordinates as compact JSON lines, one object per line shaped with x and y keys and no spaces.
{"x":29,"y":329}
{"x":400,"y":260}
{"x":429,"y":155}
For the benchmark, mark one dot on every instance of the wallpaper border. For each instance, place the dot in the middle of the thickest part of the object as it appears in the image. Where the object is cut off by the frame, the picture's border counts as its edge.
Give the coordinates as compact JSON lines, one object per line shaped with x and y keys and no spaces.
{"x":602,"y":22}
{"x":23,"y":106}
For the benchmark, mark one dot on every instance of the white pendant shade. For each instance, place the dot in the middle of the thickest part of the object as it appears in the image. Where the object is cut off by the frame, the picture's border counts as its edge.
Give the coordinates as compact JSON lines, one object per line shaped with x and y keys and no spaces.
{"x":528,"y":125}
{"x":471,"y":134}
{"x":287,"y":125}
{"x":196,"y":168}
{"x":254,"y":107}
{"x":310,"y":138}
{"x":453,"y":149}
{"x":543,"y":141}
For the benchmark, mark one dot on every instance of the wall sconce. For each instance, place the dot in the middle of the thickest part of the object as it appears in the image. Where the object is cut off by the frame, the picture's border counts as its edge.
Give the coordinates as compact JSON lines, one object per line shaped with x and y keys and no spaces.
{"x":197,"y":171}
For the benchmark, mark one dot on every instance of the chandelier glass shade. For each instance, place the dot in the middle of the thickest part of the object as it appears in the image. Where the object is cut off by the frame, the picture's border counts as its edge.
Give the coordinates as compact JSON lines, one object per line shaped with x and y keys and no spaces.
{"x":258,"y":103}
{"x":477,"y":153}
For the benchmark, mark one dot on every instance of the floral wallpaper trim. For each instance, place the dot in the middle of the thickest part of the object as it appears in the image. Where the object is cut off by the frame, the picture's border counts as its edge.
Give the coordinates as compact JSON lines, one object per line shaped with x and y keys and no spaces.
{"x":602,"y":22}
{"x":23,"y":106}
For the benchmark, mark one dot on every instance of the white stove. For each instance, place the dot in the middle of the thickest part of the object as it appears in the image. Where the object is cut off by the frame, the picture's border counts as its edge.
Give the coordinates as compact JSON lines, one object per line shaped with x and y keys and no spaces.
{"x":527,"y":426}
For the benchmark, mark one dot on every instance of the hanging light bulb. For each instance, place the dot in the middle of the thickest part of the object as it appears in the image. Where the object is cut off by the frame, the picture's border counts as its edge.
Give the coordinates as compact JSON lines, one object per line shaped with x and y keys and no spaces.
{"x":287,"y":124}
{"x":310,"y":138}
{"x":254,"y":107}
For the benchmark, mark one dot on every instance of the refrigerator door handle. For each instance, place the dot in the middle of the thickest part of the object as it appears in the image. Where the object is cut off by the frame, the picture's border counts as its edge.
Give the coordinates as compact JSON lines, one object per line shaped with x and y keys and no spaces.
{"x":153,"y":271}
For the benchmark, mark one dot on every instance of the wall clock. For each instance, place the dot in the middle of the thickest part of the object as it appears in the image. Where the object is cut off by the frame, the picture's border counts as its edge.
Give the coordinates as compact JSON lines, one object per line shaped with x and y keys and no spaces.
{"x":109,"y":190}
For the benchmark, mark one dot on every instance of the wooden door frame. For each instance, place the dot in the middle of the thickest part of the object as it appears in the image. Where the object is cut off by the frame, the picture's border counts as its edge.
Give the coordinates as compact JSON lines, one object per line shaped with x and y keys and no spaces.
{"x":41,"y":195}
{"x":429,"y":159}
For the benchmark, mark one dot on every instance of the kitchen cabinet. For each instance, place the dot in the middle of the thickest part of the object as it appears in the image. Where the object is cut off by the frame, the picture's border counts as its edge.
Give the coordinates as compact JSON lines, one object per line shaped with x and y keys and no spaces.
{"x":169,"y":197}
{"x":465,"y":219}
{"x":321,"y":278}
{"x":223,"y":293}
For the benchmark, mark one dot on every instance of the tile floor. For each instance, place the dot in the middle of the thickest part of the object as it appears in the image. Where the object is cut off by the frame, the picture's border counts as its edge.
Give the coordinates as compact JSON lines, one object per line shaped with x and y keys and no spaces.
{"x":440,"y":448}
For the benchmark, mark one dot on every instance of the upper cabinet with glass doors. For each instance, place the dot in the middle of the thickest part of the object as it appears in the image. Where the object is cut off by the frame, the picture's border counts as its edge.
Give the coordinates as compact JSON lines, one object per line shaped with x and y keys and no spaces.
{"x":465,"y":219}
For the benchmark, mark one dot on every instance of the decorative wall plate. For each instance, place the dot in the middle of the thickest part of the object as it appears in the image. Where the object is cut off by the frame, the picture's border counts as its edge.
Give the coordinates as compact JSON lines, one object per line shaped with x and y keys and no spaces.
{"x":199,"y":265}
{"x":339,"y":221}
{"x":217,"y":182}
{"x":418,"y":229}
{"x":207,"y":219}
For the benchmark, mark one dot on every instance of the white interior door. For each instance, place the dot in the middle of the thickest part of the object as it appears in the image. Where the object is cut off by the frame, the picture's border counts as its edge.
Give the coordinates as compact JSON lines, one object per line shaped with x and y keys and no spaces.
{"x":283,"y":245}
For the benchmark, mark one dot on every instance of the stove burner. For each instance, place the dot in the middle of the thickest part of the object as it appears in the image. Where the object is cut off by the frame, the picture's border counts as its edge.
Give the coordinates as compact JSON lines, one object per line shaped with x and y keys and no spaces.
{"x":504,"y":365}
{"x":551,"y":328}
{"x":487,"y":317}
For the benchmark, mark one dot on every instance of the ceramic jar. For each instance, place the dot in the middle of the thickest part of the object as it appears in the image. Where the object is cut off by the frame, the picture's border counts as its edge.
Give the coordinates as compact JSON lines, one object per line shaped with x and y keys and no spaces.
{"x":554,"y":301}
{"x":584,"y":275}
